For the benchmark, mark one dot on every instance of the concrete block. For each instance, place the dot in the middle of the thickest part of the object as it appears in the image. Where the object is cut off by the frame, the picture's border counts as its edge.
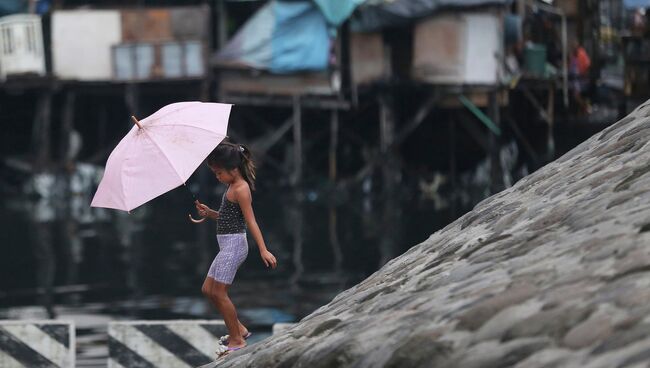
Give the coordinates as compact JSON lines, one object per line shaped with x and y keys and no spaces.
{"x":172,"y":344}
{"x":37,"y":343}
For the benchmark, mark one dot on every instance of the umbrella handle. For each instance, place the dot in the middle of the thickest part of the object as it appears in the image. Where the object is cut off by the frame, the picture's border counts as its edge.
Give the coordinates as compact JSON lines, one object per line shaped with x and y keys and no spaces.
{"x":195,"y":221}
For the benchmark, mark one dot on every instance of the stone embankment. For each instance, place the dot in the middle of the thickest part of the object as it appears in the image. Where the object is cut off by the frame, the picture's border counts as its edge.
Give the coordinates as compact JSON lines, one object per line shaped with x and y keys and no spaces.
{"x":552,"y":272}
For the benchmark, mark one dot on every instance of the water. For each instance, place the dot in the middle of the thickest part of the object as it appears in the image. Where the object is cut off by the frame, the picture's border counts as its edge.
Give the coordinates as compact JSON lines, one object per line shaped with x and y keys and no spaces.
{"x":63,"y":259}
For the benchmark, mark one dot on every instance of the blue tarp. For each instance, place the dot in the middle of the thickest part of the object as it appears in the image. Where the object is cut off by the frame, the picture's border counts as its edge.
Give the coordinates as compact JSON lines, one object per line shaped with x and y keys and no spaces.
{"x":301,"y":39}
{"x":288,"y":36}
{"x":633,"y":4}
{"x":337,"y":11}
{"x":8,"y":7}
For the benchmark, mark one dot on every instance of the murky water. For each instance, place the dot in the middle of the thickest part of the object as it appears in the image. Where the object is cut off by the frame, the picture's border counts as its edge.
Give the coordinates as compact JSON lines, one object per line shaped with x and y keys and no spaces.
{"x":63,"y":259}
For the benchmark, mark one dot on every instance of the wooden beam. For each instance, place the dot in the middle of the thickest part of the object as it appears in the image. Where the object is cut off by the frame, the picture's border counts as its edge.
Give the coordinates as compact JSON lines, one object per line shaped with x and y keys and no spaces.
{"x":452,"y":165}
{"x":324,"y":103}
{"x":533,"y":100}
{"x":42,"y":130}
{"x":264,"y":143}
{"x":67,"y":125}
{"x":417,"y":119}
{"x":524,"y":142}
{"x":334,"y":142}
{"x":473,"y":130}
{"x":296,"y":178}
{"x":496,"y":172}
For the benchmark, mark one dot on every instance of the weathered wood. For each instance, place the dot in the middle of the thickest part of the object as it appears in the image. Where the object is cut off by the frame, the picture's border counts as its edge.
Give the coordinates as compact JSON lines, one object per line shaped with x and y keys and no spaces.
{"x":550,"y":112}
{"x":222,"y":24}
{"x":67,"y":125}
{"x":313,"y":102}
{"x":496,"y":181}
{"x":264,"y":143}
{"x":522,"y":139}
{"x":452,"y":165}
{"x":417,"y":119}
{"x":334,"y":141}
{"x":472,"y":128}
{"x":41,"y":131}
{"x":296,"y":178}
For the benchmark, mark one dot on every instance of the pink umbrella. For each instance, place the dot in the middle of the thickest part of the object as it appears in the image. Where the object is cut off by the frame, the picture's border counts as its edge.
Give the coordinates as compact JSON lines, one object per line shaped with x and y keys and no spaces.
{"x":160,"y":153}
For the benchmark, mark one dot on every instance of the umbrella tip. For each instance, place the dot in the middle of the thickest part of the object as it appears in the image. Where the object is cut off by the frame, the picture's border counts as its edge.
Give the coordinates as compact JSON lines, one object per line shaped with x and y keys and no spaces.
{"x":136,"y":121}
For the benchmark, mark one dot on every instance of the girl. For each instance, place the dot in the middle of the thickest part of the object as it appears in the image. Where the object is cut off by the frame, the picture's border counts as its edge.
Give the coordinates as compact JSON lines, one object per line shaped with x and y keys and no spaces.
{"x":232,"y":165}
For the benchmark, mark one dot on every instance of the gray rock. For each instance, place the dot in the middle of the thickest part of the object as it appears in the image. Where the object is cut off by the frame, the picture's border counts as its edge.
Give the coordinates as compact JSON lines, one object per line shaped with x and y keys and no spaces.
{"x":552,"y":272}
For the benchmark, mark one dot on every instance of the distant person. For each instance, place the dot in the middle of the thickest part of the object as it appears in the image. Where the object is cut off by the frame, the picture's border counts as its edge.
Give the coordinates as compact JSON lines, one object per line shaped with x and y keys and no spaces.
{"x":232,"y":165}
{"x":579,"y":64}
{"x":639,"y":21}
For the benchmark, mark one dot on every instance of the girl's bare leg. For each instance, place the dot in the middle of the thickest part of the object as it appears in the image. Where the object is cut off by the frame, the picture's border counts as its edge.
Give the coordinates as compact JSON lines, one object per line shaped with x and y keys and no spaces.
{"x":217,"y":294}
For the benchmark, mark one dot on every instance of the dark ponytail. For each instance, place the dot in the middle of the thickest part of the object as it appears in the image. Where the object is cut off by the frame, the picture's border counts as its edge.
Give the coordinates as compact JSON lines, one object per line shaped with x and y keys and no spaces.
{"x":230,"y":156}
{"x":247,"y":166}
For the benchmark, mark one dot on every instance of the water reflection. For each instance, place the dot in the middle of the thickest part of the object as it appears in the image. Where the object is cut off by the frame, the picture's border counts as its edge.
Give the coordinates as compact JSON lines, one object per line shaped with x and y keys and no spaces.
{"x":94,"y":265}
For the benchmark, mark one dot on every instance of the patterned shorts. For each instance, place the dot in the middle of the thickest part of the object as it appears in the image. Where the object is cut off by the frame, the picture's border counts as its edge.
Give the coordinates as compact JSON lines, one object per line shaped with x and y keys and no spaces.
{"x":233,"y":250}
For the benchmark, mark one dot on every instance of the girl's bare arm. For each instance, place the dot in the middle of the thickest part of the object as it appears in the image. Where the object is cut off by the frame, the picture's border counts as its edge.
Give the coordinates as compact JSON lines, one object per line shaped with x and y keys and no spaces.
{"x":244,"y":199}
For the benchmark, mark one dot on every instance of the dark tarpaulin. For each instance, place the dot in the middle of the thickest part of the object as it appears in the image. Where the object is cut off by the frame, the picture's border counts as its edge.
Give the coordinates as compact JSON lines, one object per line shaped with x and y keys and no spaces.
{"x":376,"y":14}
{"x":8,"y":7}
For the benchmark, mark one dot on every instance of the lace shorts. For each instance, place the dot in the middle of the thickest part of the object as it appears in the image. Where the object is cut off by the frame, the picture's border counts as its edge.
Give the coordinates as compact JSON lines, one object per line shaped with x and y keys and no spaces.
{"x":233,"y":250}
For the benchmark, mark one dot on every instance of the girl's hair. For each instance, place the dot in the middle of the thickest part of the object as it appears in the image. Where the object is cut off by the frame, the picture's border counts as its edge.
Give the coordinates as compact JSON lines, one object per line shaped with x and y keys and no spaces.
{"x":230,"y":156}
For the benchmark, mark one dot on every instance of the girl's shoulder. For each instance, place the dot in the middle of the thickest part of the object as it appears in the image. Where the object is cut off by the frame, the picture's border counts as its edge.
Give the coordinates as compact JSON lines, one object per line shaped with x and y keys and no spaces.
{"x":242,"y":189}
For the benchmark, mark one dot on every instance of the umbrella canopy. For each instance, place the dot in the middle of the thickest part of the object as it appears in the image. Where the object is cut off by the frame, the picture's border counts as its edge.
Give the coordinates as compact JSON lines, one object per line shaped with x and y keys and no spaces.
{"x":160,"y":153}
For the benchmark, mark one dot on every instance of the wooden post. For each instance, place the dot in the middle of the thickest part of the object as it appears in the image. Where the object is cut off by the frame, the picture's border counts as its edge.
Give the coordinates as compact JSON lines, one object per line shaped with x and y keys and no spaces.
{"x":452,"y":165}
{"x":334,"y":141}
{"x":67,"y":125}
{"x":41,"y":131}
{"x":222,"y":33}
{"x":389,"y":173}
{"x":550,"y":112}
{"x":333,"y":219}
{"x":386,"y":123}
{"x":102,"y":124}
{"x":296,"y":179}
{"x":295,"y":212}
{"x":495,"y":161}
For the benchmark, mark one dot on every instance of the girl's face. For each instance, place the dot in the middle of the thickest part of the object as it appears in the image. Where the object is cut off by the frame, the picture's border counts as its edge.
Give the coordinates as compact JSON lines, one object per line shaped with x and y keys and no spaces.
{"x":223,"y":175}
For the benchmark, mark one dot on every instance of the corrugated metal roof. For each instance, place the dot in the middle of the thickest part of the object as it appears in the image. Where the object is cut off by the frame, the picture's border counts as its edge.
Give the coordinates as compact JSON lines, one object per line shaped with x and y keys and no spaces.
{"x":377,"y":14}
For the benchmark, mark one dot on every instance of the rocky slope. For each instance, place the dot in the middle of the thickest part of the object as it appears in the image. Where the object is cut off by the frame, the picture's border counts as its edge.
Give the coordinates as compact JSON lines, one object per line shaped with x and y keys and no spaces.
{"x":552,"y":272}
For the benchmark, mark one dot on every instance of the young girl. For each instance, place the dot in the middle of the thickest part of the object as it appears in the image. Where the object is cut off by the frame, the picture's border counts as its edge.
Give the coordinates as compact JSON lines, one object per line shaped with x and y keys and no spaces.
{"x":232,"y":165}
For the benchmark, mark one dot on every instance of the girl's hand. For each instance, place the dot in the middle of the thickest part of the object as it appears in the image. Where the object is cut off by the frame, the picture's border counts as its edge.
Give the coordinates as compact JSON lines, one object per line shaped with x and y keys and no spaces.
{"x":269,"y":259}
{"x":205,"y":211}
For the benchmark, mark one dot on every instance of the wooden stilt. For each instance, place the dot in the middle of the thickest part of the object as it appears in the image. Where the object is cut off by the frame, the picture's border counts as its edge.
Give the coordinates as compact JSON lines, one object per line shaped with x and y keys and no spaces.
{"x":333,"y":219}
{"x":389,"y":171}
{"x":550,"y":113}
{"x":495,"y":162}
{"x":409,"y":127}
{"x":334,"y":141}
{"x":222,"y":23}
{"x":102,"y":125}
{"x":41,"y":131}
{"x":452,"y":165}
{"x":295,"y":212}
{"x":296,"y":180}
{"x":67,"y":126}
